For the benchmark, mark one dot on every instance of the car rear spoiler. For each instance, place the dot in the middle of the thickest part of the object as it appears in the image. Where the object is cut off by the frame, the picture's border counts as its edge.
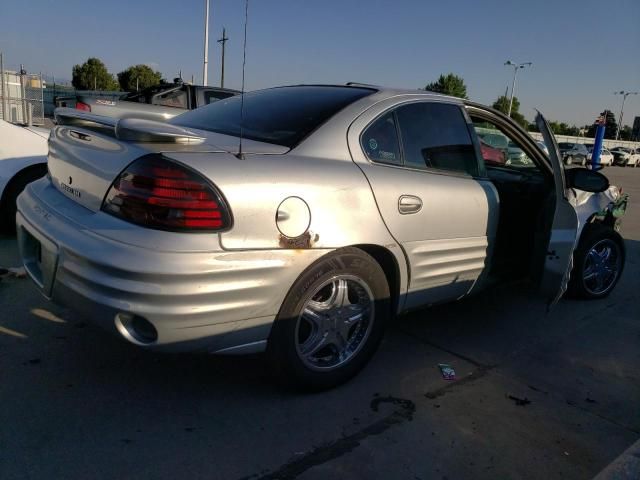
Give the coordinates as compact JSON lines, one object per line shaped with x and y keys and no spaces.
{"x":128,"y":129}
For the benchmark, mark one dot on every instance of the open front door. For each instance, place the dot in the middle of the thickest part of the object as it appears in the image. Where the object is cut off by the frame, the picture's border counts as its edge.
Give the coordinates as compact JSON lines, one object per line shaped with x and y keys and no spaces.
{"x":559,"y":257}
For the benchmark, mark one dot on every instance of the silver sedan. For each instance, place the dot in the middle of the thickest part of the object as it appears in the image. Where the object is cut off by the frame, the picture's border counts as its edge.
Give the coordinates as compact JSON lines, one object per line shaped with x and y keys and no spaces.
{"x":298,"y":221}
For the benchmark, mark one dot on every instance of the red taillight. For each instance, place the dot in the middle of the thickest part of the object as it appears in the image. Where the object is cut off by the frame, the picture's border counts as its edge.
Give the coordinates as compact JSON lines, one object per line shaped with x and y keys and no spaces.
{"x":158,"y":193}
{"x":83,"y":106}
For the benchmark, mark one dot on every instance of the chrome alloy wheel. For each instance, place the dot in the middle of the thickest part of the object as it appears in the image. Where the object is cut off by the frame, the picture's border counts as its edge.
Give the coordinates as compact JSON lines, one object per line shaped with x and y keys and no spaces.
{"x":601,"y":266}
{"x":334,"y":323}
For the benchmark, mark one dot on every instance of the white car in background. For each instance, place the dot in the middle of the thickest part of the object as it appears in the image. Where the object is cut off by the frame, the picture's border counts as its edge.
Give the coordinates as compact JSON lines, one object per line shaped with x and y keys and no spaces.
{"x":625,"y":156}
{"x":23,"y":159}
{"x":606,"y":157}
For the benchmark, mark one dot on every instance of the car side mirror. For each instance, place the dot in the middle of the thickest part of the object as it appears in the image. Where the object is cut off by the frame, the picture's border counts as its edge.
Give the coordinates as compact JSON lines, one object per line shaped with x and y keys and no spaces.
{"x":586,"y":180}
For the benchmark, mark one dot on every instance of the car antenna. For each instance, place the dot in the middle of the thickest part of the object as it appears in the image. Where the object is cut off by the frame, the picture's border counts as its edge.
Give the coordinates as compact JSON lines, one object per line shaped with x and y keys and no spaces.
{"x":240,"y":155}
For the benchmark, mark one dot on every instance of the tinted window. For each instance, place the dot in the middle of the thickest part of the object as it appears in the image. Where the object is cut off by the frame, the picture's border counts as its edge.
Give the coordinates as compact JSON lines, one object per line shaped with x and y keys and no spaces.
{"x":380,"y":141}
{"x":283,"y":116}
{"x":211,"y":96}
{"x":145,"y":95}
{"x":435,"y":135}
{"x":174,"y":98}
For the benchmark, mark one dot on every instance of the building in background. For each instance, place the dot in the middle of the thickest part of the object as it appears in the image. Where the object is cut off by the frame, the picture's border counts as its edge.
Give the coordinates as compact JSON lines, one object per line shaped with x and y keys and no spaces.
{"x":21,"y":98}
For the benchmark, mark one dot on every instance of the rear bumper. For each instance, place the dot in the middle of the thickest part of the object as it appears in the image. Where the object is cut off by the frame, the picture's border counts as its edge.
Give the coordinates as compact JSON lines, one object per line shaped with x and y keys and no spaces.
{"x":196,"y":300}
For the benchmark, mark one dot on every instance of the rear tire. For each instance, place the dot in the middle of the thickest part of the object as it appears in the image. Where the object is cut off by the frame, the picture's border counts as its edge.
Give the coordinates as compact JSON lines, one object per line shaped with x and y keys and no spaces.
{"x":331,"y":321}
{"x":595,"y":272}
{"x":15,"y":186}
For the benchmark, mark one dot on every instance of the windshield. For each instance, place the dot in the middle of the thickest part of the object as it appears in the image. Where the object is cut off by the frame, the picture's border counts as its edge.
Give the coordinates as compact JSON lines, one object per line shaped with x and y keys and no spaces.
{"x":283,"y":116}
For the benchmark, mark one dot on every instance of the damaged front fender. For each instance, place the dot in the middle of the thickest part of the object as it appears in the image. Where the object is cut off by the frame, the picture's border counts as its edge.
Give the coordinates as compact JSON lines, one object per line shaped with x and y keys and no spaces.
{"x":606,"y":207}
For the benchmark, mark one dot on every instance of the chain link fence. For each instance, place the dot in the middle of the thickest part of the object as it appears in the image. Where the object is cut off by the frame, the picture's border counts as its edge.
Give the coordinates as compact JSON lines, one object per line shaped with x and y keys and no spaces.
{"x":21,"y":98}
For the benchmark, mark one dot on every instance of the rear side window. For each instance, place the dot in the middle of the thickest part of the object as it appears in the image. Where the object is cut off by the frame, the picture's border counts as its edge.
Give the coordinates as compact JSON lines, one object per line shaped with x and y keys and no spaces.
{"x":173,"y":98}
{"x":435,"y":135}
{"x":380,"y":141}
{"x":211,"y":96}
{"x":283,"y":116}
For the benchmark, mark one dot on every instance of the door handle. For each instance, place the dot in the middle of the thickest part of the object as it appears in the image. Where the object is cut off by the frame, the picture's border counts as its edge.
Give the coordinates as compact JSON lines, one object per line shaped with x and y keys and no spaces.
{"x":409,"y":204}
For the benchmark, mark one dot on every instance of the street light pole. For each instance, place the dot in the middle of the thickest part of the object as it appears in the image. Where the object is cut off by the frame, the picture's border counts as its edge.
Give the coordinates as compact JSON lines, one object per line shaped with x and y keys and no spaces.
{"x":624,"y":98}
{"x":206,"y":43}
{"x":516,"y":67}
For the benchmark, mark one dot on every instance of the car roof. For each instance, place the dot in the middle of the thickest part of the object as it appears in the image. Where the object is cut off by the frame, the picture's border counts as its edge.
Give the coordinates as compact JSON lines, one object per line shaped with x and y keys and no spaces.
{"x":383,"y":91}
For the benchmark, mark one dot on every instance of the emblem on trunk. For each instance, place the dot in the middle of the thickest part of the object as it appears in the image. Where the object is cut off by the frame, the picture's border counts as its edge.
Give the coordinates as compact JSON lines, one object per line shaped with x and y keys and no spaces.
{"x":70,"y":180}
{"x":73,"y":191}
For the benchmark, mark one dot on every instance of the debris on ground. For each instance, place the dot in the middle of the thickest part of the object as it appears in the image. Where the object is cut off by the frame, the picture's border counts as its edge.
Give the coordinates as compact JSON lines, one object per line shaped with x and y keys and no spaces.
{"x":17,"y":272}
{"x":521,"y":402}
{"x":448,"y":373}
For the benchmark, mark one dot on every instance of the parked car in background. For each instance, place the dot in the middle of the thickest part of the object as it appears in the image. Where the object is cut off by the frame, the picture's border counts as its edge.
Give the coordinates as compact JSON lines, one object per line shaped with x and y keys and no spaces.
{"x":23,"y":159}
{"x":302,"y":231}
{"x":491,"y":154}
{"x":573,"y":153}
{"x":161,"y":102}
{"x":624,"y":156}
{"x":543,"y":147}
{"x":606,"y":158}
{"x":517,"y":156}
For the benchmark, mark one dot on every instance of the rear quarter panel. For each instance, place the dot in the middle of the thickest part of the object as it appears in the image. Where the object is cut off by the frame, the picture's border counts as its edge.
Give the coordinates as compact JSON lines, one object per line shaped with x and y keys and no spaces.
{"x":341,"y":204}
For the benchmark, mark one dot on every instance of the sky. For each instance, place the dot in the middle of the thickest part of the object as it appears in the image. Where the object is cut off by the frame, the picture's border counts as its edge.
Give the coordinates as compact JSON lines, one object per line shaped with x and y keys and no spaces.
{"x":582,"y":50}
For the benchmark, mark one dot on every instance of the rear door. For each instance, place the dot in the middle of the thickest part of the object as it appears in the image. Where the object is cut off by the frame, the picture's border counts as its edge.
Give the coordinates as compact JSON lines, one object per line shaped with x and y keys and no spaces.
{"x":420,"y":161}
{"x":562,"y":241}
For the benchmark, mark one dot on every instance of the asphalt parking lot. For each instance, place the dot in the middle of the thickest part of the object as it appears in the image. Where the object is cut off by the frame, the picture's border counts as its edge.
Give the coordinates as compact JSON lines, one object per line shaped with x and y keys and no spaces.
{"x":538,"y":395}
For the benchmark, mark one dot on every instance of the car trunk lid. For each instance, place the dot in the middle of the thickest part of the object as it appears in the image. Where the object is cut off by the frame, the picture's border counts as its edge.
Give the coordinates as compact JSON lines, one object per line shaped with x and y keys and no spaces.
{"x":87,"y":152}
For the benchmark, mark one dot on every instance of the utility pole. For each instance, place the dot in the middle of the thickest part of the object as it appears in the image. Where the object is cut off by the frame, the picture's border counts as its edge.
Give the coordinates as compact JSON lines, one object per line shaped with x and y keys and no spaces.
{"x":516,"y":67}
{"x":624,"y":98}
{"x":223,"y":41}
{"x":206,"y":44}
{"x":3,"y":109}
{"x":23,"y":72}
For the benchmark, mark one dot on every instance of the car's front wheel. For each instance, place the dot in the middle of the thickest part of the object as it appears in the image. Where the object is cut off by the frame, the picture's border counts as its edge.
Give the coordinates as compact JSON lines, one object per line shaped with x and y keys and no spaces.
{"x":331,"y":321}
{"x":598,"y":262}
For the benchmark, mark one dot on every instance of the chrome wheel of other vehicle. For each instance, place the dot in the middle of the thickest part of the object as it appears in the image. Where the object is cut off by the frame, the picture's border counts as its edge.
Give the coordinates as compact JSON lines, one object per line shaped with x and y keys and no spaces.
{"x":335,"y":322}
{"x":601,"y":267}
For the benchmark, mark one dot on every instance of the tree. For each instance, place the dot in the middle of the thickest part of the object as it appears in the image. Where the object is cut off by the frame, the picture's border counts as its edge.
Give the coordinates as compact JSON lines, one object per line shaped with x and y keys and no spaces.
{"x":449,"y":84}
{"x":502,"y":104}
{"x":611,"y":126}
{"x":138,"y":77}
{"x":93,"y":75}
{"x":561,"y":128}
{"x":626,"y":132}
